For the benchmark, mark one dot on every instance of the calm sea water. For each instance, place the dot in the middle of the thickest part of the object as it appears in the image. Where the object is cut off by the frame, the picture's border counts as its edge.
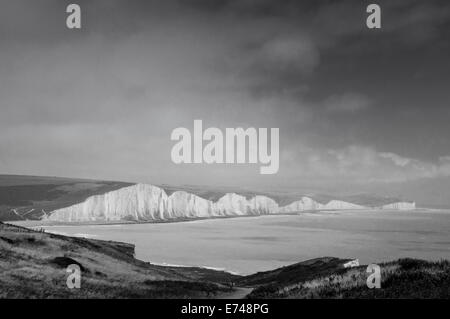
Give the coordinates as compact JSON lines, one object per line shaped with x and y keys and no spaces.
{"x":250,"y":244}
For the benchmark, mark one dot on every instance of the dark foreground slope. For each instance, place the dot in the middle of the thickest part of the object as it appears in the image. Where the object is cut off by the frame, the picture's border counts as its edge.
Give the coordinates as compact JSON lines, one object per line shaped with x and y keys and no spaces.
{"x":33,"y":265}
{"x":327,"y":278}
{"x":298,"y":272}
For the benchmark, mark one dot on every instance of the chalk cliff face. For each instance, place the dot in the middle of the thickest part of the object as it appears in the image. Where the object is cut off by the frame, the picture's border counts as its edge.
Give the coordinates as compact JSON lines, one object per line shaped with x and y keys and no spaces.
{"x":400,"y":206}
{"x":143,"y":202}
{"x":305,"y":203}
{"x":236,"y":205}
{"x":232,"y":205}
{"x":185,"y":205}
{"x":137,"y":202}
{"x":339,"y":204}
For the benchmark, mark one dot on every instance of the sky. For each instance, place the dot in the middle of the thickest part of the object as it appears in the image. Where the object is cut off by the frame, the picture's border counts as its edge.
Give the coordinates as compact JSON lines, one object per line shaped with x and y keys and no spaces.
{"x":358,"y":109}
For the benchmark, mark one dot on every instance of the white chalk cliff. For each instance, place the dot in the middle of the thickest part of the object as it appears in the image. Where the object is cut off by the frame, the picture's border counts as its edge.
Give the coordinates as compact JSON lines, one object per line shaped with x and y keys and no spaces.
{"x":400,"y":206}
{"x":303,"y":204}
{"x":143,"y":202}
{"x":339,"y":204}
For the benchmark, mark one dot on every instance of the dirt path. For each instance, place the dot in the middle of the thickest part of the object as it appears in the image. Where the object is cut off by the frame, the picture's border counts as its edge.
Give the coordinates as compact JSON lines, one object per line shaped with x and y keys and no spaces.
{"x":237,"y":293}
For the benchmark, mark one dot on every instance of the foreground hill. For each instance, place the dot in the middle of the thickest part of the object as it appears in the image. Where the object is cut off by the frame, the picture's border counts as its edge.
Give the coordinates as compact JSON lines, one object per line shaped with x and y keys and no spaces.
{"x":33,"y":265}
{"x":328,"y":278}
{"x":299,"y":272}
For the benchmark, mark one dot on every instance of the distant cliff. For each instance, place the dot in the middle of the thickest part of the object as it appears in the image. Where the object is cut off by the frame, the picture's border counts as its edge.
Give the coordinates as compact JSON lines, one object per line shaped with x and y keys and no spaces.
{"x":144,"y":202}
{"x":400,"y":206}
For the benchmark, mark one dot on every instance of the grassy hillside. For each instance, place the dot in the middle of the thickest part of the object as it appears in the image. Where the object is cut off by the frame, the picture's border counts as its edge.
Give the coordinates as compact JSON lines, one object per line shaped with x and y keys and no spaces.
{"x":404,"y":278}
{"x":301,"y":271}
{"x":33,"y":265}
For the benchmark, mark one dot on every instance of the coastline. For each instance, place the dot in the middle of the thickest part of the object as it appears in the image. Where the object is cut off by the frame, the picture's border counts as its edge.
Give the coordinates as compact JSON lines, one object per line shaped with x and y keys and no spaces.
{"x":323,"y":212}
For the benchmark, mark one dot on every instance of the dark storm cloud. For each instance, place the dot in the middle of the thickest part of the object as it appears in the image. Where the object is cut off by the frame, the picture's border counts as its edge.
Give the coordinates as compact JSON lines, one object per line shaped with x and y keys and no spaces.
{"x":352,"y":104}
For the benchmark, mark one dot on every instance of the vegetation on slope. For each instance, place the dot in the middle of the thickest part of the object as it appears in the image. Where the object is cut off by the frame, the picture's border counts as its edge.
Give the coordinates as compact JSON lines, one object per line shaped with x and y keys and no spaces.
{"x":33,"y":265}
{"x":404,"y":278}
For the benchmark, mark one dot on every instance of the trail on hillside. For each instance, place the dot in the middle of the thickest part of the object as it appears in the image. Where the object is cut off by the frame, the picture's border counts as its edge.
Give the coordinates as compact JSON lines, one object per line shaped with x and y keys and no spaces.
{"x":237,"y":293}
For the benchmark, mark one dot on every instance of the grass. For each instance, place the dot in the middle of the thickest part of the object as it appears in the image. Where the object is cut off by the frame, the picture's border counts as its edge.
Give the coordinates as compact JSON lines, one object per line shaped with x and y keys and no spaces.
{"x":33,"y":265}
{"x":404,"y":278}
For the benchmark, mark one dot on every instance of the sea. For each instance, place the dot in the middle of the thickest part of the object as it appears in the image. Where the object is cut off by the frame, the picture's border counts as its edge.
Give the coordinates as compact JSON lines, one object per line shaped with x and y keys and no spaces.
{"x":246,"y":245}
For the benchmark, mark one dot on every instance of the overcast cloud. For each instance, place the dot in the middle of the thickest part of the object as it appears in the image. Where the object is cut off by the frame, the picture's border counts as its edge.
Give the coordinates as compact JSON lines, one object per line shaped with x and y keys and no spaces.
{"x":354,"y":106}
